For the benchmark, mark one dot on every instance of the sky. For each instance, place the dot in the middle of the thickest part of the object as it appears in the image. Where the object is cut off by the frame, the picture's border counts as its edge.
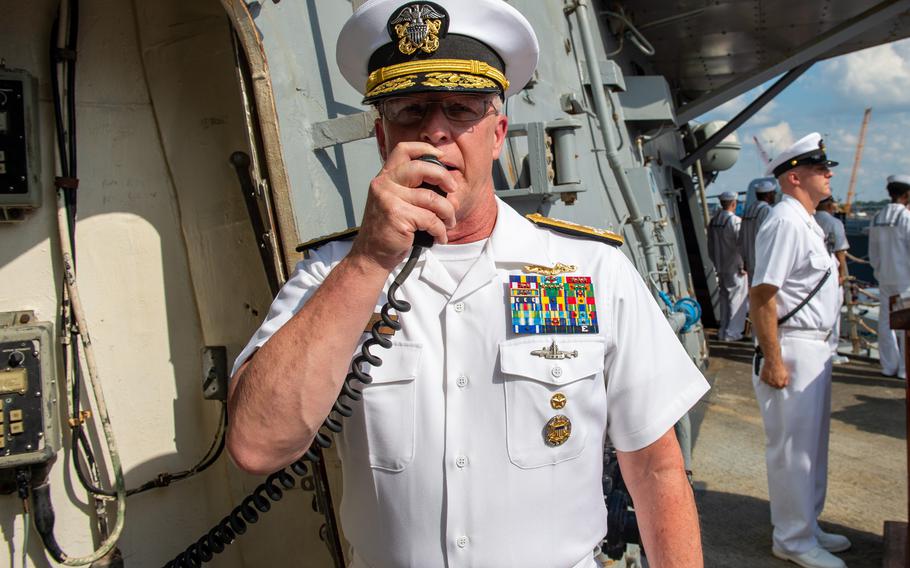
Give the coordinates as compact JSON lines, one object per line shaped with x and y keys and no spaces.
{"x":831,"y":98}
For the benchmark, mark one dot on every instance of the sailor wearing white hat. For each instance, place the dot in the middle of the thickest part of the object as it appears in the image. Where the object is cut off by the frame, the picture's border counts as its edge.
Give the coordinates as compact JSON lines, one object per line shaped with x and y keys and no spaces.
{"x":793,"y":298}
{"x":889,"y":253}
{"x":478,"y":441}
{"x":723,"y":233}
{"x":837,"y":244}
{"x":753,"y":217}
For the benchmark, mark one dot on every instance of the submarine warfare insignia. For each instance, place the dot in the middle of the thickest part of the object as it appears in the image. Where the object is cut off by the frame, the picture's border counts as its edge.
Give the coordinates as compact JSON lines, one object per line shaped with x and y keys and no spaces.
{"x":553,"y":352}
{"x":558,"y":430}
{"x":552,"y":304}
{"x":418,"y":26}
{"x":558,"y":401}
{"x":560,"y":268}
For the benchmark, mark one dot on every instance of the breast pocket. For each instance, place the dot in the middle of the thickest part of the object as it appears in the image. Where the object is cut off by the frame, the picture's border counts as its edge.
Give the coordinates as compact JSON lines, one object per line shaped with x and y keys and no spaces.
{"x":820,"y":261}
{"x":555,"y":397}
{"x":389,"y":407}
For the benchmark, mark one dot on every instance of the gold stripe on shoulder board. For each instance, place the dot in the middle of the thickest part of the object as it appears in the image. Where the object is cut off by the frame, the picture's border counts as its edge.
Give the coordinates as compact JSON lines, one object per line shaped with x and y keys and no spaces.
{"x":322,"y":241}
{"x":576,"y":230}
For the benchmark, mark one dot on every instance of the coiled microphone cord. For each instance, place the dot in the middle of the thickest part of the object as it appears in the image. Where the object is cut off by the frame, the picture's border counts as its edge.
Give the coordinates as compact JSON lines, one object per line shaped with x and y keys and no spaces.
{"x":272,"y":489}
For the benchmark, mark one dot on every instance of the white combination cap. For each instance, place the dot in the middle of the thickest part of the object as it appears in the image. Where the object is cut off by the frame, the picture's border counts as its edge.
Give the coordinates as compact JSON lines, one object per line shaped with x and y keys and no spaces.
{"x":765,"y":186}
{"x":393,"y":47}
{"x":727,"y":196}
{"x":807,"y":150}
{"x":905,"y":180}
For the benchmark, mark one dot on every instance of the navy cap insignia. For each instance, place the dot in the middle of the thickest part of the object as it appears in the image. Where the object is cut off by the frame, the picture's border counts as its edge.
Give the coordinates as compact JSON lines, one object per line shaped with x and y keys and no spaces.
{"x":419,"y":26}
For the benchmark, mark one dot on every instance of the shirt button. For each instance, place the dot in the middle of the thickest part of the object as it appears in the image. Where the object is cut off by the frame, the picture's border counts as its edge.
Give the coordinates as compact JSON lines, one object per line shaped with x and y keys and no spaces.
{"x":556,"y":371}
{"x":459,"y":307}
{"x":461,"y":541}
{"x":461,"y":381}
{"x":461,"y":461}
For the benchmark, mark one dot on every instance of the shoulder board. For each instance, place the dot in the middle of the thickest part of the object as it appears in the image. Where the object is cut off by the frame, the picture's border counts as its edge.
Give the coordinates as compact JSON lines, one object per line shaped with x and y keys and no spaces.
{"x":575,"y":230}
{"x":322,"y":241}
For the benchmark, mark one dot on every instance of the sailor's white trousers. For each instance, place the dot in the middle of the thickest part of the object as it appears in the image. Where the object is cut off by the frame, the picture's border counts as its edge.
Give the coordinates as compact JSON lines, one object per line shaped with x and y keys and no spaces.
{"x":797,"y":421}
{"x":734,"y":305}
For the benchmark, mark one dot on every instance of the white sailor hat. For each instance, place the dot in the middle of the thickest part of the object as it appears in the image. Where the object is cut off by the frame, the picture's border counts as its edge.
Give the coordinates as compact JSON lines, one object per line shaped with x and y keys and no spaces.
{"x":395,"y":47}
{"x":727,"y":196}
{"x":764,"y":186}
{"x":807,"y":150}
{"x":902,"y":180}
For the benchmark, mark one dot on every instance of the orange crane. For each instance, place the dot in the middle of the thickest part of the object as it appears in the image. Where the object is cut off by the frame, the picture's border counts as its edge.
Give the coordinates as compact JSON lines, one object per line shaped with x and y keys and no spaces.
{"x":851,"y":189}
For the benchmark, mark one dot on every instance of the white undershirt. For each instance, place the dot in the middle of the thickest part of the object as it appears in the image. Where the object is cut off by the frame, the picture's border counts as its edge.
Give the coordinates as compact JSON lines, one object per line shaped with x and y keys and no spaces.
{"x":458,"y":259}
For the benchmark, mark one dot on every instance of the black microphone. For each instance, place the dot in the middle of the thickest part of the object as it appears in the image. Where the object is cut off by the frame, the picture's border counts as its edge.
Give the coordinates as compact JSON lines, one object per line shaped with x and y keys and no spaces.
{"x":423,"y":238}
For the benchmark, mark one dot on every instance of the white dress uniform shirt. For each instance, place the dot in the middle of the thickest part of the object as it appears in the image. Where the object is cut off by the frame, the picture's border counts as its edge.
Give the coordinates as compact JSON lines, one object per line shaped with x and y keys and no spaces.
{"x":791,"y":255}
{"x":889,"y":254}
{"x":753,"y":218}
{"x":445,"y":462}
{"x":723,"y":233}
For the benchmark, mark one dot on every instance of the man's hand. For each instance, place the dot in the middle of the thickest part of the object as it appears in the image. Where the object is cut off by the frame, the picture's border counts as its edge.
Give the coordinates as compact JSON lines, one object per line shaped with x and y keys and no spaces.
{"x":763,"y":307}
{"x":774,"y":373}
{"x":397,"y":207}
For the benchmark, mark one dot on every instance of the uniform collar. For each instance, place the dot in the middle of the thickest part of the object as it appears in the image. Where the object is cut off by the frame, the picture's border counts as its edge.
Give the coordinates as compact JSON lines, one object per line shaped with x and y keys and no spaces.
{"x":797,"y":206}
{"x":514,"y":240}
{"x":809,"y":220}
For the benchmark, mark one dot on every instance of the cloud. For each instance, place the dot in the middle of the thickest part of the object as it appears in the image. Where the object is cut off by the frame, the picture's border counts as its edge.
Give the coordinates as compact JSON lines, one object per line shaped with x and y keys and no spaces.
{"x":776,"y":138}
{"x":875,"y":76}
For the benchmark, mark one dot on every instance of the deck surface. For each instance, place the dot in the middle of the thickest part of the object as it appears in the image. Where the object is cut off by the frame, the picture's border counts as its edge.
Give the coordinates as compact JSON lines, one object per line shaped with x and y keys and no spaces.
{"x":867,"y":482}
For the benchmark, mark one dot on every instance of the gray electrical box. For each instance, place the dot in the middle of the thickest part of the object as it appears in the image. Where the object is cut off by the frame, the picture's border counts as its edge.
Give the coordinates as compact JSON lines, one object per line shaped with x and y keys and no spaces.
{"x":20,"y":190}
{"x":29,"y":425}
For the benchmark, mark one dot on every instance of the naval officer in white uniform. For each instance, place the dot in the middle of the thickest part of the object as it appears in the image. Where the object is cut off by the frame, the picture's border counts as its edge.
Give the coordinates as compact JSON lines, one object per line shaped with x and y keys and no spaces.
{"x":753,"y":217}
{"x":889,"y":253}
{"x":479,"y":439}
{"x":723,"y":234}
{"x":793,"y":310}
{"x":837,"y":244}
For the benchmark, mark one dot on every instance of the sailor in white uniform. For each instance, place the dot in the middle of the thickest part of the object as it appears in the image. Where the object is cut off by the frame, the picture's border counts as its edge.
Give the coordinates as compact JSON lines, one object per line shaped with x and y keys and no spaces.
{"x":723,"y":232}
{"x":889,"y":253}
{"x":753,"y":217}
{"x":837,"y":244}
{"x":793,"y":307}
{"x":478,"y":441}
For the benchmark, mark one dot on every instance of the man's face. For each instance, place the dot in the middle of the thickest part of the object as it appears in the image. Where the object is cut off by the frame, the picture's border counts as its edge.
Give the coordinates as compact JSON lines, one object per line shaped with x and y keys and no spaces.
{"x":815,"y":180}
{"x":469,"y":144}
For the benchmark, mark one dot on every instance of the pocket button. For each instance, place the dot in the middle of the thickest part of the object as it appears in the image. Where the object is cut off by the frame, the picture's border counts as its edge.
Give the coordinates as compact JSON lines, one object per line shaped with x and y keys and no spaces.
{"x":461,"y":381}
{"x":556,"y":371}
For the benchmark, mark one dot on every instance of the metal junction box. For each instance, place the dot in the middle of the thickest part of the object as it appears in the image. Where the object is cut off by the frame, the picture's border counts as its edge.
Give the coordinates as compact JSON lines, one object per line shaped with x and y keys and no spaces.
{"x":20,"y":190}
{"x":29,"y":426}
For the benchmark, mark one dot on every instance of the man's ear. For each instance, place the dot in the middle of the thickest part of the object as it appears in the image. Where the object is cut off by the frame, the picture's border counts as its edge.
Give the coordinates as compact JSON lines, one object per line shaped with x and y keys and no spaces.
{"x":380,"y":138}
{"x":499,"y":134}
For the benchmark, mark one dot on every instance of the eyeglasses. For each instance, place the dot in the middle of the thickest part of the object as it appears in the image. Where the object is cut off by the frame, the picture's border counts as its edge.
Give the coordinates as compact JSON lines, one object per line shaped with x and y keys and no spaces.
{"x":408,"y":111}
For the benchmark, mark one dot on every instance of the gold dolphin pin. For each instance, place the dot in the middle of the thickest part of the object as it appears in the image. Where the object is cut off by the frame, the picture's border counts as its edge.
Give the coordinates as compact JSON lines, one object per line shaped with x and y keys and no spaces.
{"x":560,"y":268}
